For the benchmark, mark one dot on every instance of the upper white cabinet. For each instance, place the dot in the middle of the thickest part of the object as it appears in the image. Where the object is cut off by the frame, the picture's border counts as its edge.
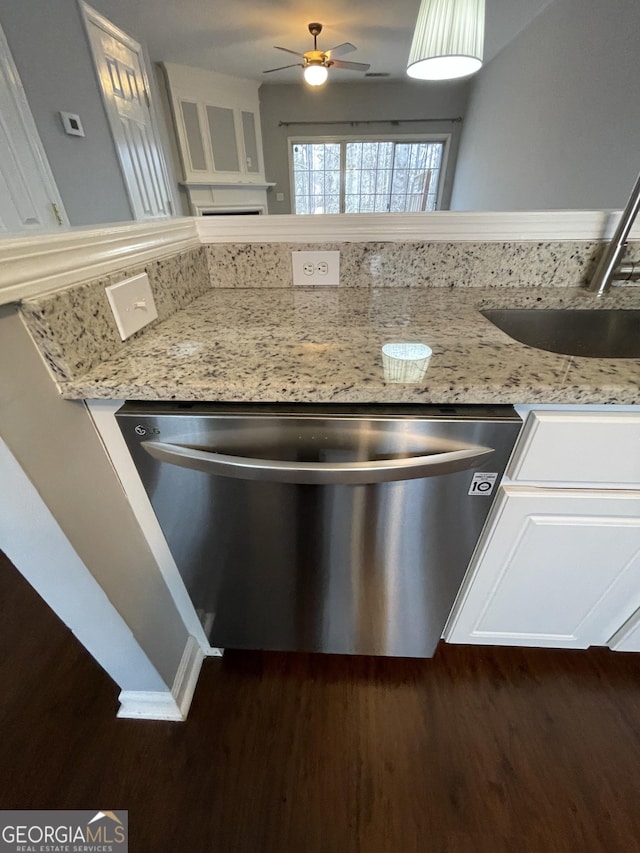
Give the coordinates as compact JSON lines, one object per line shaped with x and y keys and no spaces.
{"x":217,"y":122}
{"x":559,"y":560}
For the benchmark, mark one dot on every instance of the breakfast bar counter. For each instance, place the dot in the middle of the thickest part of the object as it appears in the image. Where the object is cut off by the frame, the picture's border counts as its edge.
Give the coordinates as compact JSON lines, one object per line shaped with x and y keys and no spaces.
{"x":324,"y":345}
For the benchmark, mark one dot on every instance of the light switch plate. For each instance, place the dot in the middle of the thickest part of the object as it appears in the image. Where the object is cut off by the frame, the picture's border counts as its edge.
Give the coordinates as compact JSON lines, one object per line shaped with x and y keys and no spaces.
{"x":313,"y":268}
{"x":132,"y":304}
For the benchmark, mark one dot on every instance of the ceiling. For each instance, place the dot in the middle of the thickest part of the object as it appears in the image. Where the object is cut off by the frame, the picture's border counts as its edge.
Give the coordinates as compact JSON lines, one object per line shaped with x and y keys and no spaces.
{"x":237,"y":36}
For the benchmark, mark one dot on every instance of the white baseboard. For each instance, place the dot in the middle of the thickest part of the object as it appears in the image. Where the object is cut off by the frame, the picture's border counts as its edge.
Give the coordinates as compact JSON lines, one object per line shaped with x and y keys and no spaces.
{"x":171,"y":704}
{"x":148,"y":705}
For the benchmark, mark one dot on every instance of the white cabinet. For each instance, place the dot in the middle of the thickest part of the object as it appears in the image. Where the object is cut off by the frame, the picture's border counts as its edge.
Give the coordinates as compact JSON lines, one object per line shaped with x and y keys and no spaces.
{"x":589,"y":449}
{"x":217,"y":123}
{"x":559,"y":560}
{"x":558,"y":568}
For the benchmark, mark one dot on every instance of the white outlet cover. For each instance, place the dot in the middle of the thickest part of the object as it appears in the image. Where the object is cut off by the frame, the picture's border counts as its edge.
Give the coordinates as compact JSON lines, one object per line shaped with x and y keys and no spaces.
{"x":131,"y":301}
{"x":300,"y":260}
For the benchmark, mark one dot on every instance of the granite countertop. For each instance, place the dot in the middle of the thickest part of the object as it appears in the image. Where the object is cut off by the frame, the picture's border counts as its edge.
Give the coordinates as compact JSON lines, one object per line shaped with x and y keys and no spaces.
{"x":324,"y":345}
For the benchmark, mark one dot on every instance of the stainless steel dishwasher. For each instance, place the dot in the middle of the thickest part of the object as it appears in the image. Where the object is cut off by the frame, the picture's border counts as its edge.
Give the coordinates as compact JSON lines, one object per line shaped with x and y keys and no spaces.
{"x":342,"y":529}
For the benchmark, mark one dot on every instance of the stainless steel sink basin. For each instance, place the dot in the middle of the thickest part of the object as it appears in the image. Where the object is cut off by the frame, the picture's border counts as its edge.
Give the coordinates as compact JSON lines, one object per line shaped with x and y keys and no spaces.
{"x":593,"y":333}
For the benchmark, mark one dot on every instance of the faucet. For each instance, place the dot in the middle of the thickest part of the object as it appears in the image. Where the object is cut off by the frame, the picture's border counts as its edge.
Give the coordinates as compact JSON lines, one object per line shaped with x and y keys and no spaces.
{"x":609,"y":268}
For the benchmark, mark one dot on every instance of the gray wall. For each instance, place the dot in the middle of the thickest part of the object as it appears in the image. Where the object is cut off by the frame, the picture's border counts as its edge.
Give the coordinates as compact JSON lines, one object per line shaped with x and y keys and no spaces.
{"x":52,"y":55}
{"x":351,"y":101}
{"x":51,"y":51}
{"x":57,"y":446}
{"x":553,"y":120}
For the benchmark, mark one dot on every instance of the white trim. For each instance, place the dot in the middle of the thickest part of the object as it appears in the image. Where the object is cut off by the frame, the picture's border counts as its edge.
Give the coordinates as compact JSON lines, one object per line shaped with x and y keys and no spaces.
{"x":32,"y":265}
{"x":172,"y":705}
{"x":184,"y":683}
{"x":442,"y":226}
{"x":103,"y":415}
{"x":228,"y":209}
{"x":148,"y":705}
{"x":226,"y":199}
{"x":626,"y":638}
{"x":92,"y":15}
{"x":233,"y":185}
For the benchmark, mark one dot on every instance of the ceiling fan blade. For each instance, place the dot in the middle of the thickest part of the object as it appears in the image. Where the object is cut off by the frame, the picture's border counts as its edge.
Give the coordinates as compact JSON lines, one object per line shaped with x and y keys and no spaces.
{"x":286,"y":49}
{"x":282,"y":67}
{"x":340,"y":49}
{"x":350,"y":66}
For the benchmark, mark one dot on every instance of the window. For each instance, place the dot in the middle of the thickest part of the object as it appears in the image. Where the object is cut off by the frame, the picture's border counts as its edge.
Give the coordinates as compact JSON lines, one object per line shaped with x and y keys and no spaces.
{"x":366,"y":176}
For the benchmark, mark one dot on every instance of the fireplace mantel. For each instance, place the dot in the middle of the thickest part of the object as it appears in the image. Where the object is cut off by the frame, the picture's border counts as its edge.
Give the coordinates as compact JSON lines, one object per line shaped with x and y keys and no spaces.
{"x":225,"y":197}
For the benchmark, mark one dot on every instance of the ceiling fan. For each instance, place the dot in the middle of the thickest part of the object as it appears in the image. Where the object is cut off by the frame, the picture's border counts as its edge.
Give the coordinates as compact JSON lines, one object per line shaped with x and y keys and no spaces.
{"x":317,"y":62}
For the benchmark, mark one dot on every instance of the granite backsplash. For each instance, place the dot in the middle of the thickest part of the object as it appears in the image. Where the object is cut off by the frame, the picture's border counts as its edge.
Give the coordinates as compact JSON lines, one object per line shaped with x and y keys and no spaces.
{"x":412,"y":264}
{"x":75,"y":329}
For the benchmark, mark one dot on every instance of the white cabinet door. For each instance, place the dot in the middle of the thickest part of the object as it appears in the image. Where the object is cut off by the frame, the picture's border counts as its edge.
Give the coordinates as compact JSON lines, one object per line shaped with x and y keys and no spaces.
{"x":222,"y":125}
{"x":557,"y":568}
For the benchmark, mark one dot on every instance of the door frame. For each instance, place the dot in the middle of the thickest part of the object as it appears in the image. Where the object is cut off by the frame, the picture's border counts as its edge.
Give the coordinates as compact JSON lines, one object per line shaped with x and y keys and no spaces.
{"x":15,"y":90}
{"x":91,"y":17}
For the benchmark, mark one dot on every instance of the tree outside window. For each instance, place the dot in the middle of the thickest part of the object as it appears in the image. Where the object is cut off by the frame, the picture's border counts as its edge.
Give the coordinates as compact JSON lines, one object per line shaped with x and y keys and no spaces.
{"x":366,"y":176}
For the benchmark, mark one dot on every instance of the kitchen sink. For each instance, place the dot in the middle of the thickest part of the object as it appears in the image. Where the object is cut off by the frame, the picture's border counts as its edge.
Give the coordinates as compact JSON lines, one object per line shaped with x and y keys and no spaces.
{"x":594,"y":333}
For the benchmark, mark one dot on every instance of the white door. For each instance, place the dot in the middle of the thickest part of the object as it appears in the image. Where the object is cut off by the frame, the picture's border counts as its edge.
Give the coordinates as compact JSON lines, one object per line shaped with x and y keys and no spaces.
{"x":559,"y":568}
{"x":125,"y":89}
{"x":29,"y":199}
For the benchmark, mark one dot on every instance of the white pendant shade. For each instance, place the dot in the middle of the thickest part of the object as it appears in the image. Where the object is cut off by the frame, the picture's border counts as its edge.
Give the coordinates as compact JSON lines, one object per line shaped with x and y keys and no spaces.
{"x":448,"y":41}
{"x":315,"y":75}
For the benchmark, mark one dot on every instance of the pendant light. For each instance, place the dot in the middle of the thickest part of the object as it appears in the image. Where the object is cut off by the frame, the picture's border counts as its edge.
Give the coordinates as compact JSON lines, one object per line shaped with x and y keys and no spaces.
{"x":448,"y":40}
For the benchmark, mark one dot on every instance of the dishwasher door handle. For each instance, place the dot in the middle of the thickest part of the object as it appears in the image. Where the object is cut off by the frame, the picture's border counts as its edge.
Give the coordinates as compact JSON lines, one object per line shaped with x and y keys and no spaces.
{"x":318,"y":473}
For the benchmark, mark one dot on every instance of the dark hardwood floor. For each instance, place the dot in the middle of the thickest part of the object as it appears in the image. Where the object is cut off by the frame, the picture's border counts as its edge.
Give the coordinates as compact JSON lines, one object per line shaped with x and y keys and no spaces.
{"x":476,"y":750}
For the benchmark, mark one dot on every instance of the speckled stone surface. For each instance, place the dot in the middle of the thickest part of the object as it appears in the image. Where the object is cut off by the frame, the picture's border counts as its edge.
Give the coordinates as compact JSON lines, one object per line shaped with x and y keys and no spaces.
{"x":75,"y":329}
{"x":319,"y":345}
{"x":411,"y":264}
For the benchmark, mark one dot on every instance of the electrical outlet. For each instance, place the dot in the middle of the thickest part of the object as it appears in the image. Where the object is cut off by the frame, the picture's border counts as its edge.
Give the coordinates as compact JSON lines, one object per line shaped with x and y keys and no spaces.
{"x":316,"y":268}
{"x":132,"y":304}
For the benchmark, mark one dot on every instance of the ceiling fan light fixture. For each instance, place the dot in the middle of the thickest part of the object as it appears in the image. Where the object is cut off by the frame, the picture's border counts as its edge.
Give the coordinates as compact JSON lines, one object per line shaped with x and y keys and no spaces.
{"x":315,"y":74}
{"x":448,"y":41}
